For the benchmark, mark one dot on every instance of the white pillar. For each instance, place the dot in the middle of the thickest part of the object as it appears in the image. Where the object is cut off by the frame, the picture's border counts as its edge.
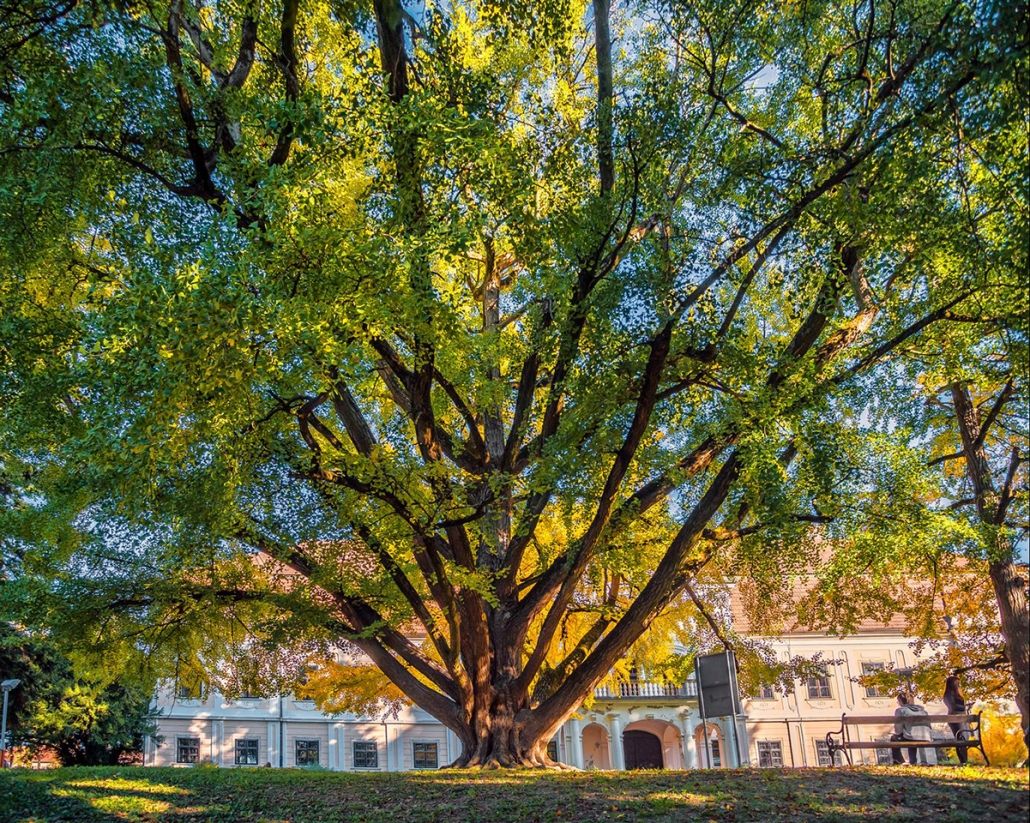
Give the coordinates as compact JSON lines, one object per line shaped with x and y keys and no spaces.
{"x":273,"y":744}
{"x":686,"y":741}
{"x":745,"y":743}
{"x":398,"y":762}
{"x":453,"y":746}
{"x":615,"y":736}
{"x":576,"y":752}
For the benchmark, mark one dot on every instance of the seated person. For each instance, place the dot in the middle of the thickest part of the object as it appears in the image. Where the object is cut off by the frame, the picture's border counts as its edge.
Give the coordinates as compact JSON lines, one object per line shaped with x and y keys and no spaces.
{"x":912,"y":725}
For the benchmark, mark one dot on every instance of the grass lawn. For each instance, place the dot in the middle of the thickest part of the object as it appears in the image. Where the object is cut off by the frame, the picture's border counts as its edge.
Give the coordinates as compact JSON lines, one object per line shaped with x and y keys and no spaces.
{"x":861,"y":794}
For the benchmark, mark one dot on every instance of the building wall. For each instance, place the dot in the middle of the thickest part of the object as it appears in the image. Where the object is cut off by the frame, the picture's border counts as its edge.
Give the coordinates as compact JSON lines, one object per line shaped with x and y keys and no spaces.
{"x":306,"y":730}
{"x":233,"y":730}
{"x":799,"y":722}
{"x":220,"y":723}
{"x":374,"y":732}
{"x":590,"y":739}
{"x":172,"y":728}
{"x":410,"y":734}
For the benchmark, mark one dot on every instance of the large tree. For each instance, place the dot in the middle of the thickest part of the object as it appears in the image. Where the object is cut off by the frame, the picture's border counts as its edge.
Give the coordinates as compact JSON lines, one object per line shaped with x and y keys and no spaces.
{"x":500,"y":320}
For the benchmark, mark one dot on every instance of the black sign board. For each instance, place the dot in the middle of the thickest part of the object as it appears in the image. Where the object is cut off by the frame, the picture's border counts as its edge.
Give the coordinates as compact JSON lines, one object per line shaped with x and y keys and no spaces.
{"x":717,"y":689}
{"x":717,"y":684}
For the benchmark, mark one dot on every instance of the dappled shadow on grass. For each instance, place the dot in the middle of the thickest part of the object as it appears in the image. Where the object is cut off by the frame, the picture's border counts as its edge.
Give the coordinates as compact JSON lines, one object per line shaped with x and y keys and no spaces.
{"x":847,"y":795}
{"x":88,"y":794}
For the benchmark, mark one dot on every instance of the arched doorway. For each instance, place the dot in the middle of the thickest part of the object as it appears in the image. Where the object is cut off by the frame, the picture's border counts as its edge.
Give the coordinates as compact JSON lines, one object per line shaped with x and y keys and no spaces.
{"x":660,"y":749}
{"x":642,"y":750}
{"x":710,"y":756}
{"x":595,"y":747}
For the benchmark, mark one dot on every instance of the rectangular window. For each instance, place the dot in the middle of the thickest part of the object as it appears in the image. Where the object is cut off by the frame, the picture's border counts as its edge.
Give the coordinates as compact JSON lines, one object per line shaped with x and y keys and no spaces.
{"x":872,"y":668}
{"x":716,"y":757}
{"x":770,"y":754}
{"x":307,"y":752}
{"x":766,"y":693}
{"x":425,"y":756}
{"x":247,"y":752}
{"x":822,"y":753}
{"x":187,"y":749}
{"x":188,"y":692}
{"x":552,"y":750}
{"x":819,"y":686}
{"x":366,"y":754}
{"x":883,"y":756}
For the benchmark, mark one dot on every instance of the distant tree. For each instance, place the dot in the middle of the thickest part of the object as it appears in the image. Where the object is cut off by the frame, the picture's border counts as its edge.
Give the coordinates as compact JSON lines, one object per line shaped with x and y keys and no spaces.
{"x":85,"y":722}
{"x":43,"y":673}
{"x":545,"y":306}
{"x":90,"y":725}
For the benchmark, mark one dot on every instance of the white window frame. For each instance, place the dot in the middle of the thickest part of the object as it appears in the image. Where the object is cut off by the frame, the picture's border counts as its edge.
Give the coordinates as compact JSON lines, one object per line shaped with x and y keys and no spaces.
{"x":354,"y":754}
{"x":178,"y":745}
{"x":256,"y":747}
{"x":773,"y":749}
{"x":296,"y":751}
{"x":825,"y":676}
{"x":872,"y":667}
{"x":822,"y":754}
{"x":715,"y":750}
{"x":436,"y":748}
{"x":884,"y":757}
{"x":186,"y":693}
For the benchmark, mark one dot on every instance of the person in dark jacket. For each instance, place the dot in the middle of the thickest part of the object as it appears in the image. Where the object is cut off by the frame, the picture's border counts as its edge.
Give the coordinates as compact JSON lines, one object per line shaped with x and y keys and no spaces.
{"x":956,"y":704}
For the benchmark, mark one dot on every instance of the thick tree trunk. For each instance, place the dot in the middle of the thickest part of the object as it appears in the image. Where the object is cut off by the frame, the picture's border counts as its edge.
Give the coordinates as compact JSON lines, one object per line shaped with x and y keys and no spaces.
{"x":1010,"y":591}
{"x":1009,"y":587}
{"x":500,"y":737}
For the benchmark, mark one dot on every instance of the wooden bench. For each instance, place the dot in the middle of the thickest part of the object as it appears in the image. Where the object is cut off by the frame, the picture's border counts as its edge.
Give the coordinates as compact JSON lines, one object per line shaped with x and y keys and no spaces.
{"x":969,"y":738}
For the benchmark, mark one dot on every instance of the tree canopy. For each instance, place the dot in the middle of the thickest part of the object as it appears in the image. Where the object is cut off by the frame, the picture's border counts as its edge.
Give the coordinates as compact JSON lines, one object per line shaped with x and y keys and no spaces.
{"x":494,"y":324}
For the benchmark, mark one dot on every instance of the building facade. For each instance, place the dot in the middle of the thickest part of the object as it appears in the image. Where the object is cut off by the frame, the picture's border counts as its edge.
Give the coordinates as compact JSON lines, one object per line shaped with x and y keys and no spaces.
{"x":790,"y":729}
{"x":637,"y":724}
{"x":640,"y":724}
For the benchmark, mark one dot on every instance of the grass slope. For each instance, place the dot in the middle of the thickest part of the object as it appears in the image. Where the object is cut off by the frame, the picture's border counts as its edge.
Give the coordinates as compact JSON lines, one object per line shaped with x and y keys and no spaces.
{"x":273,"y":796}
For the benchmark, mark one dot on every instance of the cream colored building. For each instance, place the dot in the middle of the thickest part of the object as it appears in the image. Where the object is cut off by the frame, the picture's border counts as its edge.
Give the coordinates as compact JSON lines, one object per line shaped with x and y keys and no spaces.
{"x":791,"y":729}
{"x":636,"y":724}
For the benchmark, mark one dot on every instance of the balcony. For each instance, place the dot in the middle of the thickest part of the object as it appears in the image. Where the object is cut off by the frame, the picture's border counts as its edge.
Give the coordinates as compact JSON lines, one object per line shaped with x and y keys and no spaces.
{"x":647,"y":690}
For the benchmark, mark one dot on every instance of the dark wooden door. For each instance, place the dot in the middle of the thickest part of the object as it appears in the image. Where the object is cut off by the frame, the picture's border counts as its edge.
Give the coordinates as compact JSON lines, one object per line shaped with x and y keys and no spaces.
{"x":642,"y":750}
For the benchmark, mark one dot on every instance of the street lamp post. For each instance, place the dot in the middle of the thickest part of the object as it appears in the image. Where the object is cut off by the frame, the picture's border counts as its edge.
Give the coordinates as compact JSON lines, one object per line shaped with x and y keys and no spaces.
{"x":6,"y":685}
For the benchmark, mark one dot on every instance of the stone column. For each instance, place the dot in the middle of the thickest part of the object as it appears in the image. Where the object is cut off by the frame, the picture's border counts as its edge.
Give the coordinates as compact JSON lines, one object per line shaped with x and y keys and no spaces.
{"x":576,"y":749}
{"x":687,"y":741}
{"x":615,"y":738}
{"x":745,"y":743}
{"x":273,"y":743}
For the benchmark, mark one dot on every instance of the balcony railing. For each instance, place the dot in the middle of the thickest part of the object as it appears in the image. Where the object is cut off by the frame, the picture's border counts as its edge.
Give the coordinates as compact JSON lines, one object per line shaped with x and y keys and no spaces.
{"x":632,"y":689}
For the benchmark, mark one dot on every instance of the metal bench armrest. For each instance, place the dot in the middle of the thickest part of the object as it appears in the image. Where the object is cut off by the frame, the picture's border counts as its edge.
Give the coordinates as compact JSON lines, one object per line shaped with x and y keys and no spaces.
{"x":839,"y":745}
